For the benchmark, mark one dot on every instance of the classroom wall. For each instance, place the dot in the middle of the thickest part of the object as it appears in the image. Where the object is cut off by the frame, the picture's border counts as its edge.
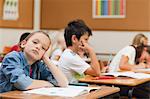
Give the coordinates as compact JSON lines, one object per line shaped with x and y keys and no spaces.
{"x":9,"y":36}
{"x":102,"y":41}
{"x":113,"y":41}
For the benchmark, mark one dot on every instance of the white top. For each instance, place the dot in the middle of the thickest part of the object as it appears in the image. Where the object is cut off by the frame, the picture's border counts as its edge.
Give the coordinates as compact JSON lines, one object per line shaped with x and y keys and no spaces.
{"x":128,"y":51}
{"x":71,"y":63}
{"x":55,"y":53}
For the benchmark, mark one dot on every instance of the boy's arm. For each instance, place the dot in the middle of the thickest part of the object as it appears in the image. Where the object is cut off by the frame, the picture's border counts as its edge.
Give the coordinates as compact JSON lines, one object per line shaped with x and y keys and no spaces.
{"x":95,"y":67}
{"x":57,"y":73}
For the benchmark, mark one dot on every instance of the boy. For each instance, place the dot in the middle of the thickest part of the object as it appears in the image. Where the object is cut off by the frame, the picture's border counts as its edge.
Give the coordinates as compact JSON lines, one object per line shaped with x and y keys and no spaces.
{"x":76,"y":35}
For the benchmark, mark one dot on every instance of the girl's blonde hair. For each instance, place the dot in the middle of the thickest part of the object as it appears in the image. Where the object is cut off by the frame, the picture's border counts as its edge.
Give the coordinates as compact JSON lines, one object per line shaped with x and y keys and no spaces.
{"x":138,"y":39}
{"x":59,"y":37}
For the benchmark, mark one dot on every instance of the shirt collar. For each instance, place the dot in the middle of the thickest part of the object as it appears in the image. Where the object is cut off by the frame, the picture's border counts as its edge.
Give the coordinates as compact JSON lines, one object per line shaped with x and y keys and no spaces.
{"x":73,"y":53}
{"x":24,"y":60}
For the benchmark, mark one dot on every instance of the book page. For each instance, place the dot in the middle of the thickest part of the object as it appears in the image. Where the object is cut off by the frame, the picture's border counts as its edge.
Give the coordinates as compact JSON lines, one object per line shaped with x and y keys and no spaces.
{"x":144,"y":70}
{"x":70,"y":91}
{"x":115,"y":74}
{"x":129,"y":74}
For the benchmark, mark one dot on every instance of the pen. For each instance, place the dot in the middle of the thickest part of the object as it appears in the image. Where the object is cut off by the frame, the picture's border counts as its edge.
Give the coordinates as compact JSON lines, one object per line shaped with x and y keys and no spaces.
{"x":79,"y":84}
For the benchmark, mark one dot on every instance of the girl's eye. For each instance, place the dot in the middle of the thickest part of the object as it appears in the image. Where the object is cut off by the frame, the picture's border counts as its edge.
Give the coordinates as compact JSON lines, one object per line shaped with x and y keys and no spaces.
{"x":43,"y":48}
{"x":34,"y":42}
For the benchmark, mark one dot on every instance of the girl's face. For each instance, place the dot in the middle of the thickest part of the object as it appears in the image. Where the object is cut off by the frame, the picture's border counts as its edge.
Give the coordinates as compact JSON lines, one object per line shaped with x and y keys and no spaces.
{"x":36,"y":46}
{"x":144,"y":41}
{"x":61,"y":43}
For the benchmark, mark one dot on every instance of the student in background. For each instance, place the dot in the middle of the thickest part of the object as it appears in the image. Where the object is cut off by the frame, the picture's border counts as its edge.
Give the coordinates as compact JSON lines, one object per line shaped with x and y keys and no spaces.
{"x":76,"y":36}
{"x":17,"y":46}
{"x":58,"y":48}
{"x":24,"y":70}
{"x":145,"y":56}
{"x":129,"y":58}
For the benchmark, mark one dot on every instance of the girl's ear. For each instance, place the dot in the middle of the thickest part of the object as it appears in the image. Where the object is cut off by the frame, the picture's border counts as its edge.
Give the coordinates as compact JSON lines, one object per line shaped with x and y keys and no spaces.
{"x":74,"y":39}
{"x":142,"y":40}
{"x":23,"y":43}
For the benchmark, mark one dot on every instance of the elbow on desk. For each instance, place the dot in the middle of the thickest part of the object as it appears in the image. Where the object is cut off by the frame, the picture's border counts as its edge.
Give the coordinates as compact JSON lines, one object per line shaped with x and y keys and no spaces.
{"x":125,"y":68}
{"x":92,"y":72}
{"x":23,"y":82}
{"x":64,"y":84}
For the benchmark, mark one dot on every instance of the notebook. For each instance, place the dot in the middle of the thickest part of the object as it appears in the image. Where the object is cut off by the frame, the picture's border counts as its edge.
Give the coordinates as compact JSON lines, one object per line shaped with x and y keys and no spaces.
{"x":103,"y":77}
{"x":70,"y":91}
{"x":129,"y":74}
{"x":143,"y":70}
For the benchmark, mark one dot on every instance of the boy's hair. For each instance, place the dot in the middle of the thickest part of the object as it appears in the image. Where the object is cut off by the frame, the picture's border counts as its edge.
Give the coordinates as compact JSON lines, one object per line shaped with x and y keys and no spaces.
{"x":77,"y":28}
{"x":23,"y":36}
{"x":137,"y":39}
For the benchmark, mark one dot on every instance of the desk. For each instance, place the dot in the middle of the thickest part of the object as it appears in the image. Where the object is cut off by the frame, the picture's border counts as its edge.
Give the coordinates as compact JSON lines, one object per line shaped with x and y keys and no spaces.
{"x":119,"y":81}
{"x":104,"y":91}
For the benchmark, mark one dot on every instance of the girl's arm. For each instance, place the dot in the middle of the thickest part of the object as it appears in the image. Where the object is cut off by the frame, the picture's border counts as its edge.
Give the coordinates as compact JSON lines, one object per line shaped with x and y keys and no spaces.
{"x":57,"y":73}
{"x":124,"y":64}
{"x":38,"y":84}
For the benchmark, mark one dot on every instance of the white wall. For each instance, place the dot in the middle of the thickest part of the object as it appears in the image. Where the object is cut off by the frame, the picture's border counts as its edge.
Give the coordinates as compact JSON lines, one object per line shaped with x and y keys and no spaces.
{"x":102,"y":41}
{"x":113,"y":41}
{"x":9,"y":37}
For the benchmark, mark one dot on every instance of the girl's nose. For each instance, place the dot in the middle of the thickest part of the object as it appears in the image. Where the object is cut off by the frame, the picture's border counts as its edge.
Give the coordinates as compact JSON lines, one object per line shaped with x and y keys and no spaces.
{"x":38,"y":46}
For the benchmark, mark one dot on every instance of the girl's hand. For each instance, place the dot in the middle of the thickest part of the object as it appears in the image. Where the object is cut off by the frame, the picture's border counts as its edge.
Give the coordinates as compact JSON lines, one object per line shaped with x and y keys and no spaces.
{"x":47,"y":53}
{"x":39,"y":84}
{"x":141,"y":65}
{"x":147,"y":65}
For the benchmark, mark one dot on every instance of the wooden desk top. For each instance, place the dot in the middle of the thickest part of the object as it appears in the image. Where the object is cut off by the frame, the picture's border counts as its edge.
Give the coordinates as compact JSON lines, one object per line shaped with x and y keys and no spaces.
{"x":104,"y":91}
{"x":117,"y":81}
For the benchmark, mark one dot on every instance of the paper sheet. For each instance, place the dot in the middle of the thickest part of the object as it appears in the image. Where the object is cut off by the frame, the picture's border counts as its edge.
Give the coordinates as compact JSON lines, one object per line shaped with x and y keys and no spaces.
{"x":70,"y":91}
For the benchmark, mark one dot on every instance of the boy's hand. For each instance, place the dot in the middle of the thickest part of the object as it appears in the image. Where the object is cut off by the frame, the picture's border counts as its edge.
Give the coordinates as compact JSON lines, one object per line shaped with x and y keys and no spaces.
{"x":85,"y":46}
{"x":105,"y":69}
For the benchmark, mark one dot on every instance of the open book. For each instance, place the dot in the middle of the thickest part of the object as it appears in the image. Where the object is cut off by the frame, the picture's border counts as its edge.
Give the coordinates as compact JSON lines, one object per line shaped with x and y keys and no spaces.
{"x":129,"y":74}
{"x":142,"y":70}
{"x":70,"y":91}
